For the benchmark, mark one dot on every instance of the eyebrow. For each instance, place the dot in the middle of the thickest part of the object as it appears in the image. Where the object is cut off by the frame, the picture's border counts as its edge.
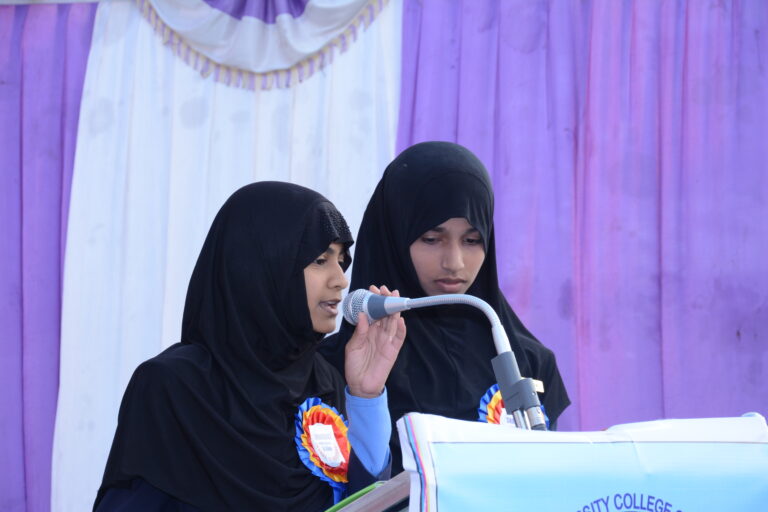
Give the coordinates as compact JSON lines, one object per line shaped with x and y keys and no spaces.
{"x":440,"y":229}
{"x":330,"y":251}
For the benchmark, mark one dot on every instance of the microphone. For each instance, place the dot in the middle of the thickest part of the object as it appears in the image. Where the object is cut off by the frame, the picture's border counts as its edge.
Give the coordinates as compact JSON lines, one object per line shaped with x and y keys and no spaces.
{"x":374,"y":306}
{"x":519,"y":393}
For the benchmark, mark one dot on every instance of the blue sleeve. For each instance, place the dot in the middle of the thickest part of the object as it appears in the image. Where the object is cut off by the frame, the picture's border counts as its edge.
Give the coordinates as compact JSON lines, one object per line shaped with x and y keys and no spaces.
{"x":369,"y":430}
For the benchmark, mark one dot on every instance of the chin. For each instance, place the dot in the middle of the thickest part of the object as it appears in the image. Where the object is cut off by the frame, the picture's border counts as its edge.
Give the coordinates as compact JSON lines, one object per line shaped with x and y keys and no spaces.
{"x":324,"y":328}
{"x":434,"y":293}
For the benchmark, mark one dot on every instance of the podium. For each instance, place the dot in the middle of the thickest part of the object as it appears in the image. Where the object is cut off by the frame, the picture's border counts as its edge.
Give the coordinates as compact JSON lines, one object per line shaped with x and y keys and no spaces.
{"x":690,"y":465}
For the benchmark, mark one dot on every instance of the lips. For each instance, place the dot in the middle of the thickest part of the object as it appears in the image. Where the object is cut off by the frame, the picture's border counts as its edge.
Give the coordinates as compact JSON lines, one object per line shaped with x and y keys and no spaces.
{"x":330,"y":306}
{"x":449,"y":285}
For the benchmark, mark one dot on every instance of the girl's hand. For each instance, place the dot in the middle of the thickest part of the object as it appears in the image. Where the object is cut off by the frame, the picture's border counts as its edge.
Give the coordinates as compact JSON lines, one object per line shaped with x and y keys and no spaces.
{"x":372,"y":350}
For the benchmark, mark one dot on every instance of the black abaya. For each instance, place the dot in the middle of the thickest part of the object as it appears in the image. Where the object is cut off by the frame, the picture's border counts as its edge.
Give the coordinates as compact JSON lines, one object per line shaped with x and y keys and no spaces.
{"x":211,"y":421}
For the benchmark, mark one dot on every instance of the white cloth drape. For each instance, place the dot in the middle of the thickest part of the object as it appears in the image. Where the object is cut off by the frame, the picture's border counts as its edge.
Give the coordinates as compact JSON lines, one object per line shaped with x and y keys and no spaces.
{"x":252,"y":44}
{"x":159,"y":149}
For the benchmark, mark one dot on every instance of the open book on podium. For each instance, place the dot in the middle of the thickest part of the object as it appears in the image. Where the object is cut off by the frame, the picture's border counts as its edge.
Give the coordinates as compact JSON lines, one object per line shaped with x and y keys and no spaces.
{"x":688,"y":465}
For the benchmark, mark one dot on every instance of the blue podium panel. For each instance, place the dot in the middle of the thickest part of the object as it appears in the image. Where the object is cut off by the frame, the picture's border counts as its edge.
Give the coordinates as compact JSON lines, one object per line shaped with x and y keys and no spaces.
{"x":696,"y":465}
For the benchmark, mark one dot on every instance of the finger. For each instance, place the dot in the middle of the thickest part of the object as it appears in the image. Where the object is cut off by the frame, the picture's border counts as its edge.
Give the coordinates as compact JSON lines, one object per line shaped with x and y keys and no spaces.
{"x":392,"y":325}
{"x":384,"y":327}
{"x":374,"y":289}
{"x":361,"y":330}
{"x":396,"y":293}
{"x":378,"y":326}
{"x":385,"y":290}
{"x":400,"y":334}
{"x":381,"y":325}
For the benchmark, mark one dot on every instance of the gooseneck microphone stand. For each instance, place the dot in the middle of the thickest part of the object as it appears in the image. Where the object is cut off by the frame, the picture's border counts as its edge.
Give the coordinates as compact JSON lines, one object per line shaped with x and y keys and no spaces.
{"x":519,"y":393}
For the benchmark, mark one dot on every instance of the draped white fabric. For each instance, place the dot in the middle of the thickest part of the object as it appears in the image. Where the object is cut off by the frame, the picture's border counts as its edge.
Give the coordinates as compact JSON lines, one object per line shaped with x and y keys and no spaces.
{"x":159,"y":149}
{"x":252,"y":44}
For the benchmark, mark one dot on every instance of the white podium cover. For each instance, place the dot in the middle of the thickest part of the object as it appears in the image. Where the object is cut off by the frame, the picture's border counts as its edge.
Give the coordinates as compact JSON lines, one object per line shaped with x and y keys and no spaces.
{"x":693,"y":465}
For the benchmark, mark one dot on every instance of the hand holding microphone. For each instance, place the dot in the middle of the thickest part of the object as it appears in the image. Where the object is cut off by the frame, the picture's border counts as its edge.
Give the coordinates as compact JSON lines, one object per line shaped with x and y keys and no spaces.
{"x":519,"y":394}
{"x":372,"y":350}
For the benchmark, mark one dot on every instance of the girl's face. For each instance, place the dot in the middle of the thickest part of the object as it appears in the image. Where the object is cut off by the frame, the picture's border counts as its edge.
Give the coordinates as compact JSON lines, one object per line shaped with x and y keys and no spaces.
{"x":448,"y":257}
{"x":324,"y":280}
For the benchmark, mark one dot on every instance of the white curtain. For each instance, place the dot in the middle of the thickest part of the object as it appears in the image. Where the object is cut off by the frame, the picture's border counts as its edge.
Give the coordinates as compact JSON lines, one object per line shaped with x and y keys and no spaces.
{"x":159,"y":149}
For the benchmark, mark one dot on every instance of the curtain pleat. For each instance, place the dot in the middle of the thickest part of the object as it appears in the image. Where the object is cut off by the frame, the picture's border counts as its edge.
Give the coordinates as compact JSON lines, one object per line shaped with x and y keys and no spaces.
{"x":624,"y":142}
{"x":43,"y":52}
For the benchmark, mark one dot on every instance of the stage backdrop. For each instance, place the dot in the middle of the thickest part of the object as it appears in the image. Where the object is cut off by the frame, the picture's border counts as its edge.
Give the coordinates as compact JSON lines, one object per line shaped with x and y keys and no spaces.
{"x":624,"y":140}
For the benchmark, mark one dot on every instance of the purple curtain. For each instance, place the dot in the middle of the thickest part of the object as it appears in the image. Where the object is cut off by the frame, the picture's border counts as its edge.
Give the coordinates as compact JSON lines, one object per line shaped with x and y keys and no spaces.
{"x":43,"y":53}
{"x":627,"y":145}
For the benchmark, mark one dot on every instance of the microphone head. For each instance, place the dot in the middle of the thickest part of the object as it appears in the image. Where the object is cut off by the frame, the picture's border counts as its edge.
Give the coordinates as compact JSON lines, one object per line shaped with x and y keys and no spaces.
{"x":353,"y":304}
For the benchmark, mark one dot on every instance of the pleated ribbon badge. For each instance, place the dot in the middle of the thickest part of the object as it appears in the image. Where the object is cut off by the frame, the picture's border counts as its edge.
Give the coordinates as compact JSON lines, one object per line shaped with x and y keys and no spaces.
{"x":322,"y":443}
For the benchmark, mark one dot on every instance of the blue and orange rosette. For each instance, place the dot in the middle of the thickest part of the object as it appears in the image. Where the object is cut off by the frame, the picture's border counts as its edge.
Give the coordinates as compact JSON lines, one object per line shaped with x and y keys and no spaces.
{"x":491,"y":406}
{"x":311,"y":412}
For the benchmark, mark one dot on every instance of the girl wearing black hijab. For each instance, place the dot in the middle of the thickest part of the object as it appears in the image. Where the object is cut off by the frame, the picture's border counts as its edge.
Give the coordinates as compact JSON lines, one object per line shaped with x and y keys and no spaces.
{"x":428,"y":230}
{"x":243,"y":414}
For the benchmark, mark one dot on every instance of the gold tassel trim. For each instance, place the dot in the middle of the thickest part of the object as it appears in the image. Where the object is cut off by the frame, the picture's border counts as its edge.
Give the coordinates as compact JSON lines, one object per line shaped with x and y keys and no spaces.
{"x":279,"y":78}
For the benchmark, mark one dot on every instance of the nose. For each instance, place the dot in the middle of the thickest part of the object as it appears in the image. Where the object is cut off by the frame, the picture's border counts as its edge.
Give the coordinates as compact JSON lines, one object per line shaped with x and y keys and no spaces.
{"x":338,"y":279}
{"x":453,"y":259}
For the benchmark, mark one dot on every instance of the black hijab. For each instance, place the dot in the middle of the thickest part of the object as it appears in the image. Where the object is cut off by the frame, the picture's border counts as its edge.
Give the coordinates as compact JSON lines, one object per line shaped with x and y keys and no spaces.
{"x":444,"y":366}
{"x":210,"y":420}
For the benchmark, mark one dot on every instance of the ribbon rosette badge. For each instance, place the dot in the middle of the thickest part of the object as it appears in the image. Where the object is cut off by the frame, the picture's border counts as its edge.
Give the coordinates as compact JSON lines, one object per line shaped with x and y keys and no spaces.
{"x":321,"y":440}
{"x":491,"y":409}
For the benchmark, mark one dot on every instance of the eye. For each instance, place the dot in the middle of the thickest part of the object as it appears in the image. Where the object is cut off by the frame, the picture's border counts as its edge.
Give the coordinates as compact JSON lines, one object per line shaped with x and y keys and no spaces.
{"x":473,"y":241}
{"x":429,"y":239}
{"x":321,"y":261}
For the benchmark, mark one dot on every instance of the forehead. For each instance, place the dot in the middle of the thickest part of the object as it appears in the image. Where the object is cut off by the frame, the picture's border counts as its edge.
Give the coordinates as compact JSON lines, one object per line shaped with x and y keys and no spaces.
{"x":334,"y":249}
{"x":456,"y":224}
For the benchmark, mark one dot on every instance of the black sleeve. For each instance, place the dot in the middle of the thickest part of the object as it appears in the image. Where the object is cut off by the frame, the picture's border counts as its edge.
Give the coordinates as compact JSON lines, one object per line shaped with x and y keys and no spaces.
{"x":360,"y":478}
{"x":140,"y":496}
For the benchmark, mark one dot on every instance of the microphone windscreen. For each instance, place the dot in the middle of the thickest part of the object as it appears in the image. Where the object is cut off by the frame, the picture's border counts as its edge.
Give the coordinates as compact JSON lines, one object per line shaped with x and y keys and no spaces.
{"x":353,"y":304}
